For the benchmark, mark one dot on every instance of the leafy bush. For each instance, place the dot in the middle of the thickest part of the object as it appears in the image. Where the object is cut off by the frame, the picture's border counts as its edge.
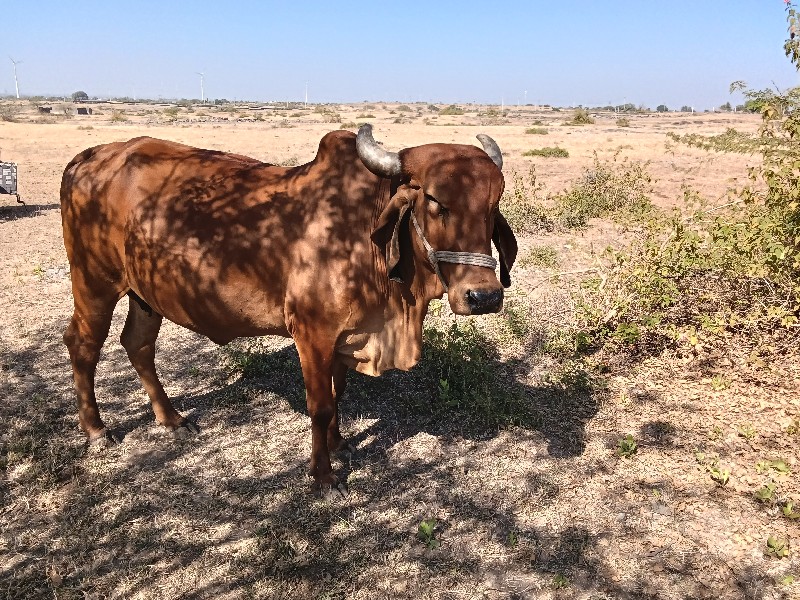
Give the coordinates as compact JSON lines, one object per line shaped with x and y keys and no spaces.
{"x":623,"y":122}
{"x":403,"y":108}
{"x":616,"y":188}
{"x":536,"y":131}
{"x":462,"y":369}
{"x":548,"y":152}
{"x":522,"y":204}
{"x":580,"y":117}
{"x":171,"y":113}
{"x":365,"y":116}
{"x":9,"y":112}
{"x":451,"y":110}
{"x":540,"y":256}
{"x":716,"y":271}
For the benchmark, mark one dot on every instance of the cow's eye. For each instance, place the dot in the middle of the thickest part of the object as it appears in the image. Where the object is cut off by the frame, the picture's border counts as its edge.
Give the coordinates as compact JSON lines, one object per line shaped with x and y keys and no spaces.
{"x":435,"y":204}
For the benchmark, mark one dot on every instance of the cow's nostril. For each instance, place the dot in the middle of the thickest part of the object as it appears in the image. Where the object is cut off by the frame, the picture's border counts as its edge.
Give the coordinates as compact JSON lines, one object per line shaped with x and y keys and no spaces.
{"x":481,"y":302}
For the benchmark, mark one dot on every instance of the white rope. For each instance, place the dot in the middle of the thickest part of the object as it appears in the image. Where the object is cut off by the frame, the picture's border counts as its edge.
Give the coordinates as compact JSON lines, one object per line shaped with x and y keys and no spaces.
{"x":465,"y":258}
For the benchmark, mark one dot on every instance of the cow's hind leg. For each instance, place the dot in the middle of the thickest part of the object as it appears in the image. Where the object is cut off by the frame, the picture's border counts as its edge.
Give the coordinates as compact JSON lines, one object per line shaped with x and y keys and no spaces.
{"x":139,"y":340}
{"x":84,"y":338}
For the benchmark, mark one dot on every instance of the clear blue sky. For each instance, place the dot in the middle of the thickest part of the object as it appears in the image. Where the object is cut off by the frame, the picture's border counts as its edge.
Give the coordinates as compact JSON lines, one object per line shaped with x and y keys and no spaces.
{"x":587,"y":52}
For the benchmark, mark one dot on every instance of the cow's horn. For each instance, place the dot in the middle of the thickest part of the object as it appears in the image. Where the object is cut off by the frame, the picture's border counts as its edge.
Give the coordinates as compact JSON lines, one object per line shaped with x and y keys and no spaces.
{"x":376,"y":159}
{"x":492,"y":149}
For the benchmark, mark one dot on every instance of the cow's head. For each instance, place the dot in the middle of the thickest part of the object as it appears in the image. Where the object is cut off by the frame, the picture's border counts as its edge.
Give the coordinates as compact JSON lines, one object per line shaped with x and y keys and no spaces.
{"x":447,"y":199}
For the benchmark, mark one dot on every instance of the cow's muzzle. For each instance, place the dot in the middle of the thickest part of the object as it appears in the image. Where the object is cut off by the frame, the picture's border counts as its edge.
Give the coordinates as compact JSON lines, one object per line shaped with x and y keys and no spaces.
{"x":481,"y":302}
{"x":476,"y":259}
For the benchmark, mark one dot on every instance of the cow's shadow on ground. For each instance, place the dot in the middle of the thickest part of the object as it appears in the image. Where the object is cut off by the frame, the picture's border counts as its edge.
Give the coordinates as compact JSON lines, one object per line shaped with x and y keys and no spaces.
{"x":223,"y":516}
{"x":403,"y":404}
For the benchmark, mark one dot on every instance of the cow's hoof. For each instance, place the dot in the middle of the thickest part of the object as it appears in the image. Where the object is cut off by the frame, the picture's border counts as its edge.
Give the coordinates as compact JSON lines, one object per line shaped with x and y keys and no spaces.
{"x":185,"y":430}
{"x":345,"y":449}
{"x":332,"y":492}
{"x":103,"y":439}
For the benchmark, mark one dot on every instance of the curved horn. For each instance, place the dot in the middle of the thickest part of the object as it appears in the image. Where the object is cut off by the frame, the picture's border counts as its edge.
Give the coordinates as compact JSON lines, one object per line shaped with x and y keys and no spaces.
{"x":492,"y":149}
{"x":381,"y":162}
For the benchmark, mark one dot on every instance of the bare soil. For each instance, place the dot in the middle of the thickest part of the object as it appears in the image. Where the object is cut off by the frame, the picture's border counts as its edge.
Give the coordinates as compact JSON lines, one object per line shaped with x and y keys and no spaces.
{"x":543,"y":509}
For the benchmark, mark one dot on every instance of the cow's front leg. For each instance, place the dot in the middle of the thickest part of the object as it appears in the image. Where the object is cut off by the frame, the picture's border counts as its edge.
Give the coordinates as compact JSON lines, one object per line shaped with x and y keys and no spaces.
{"x":317,"y":365}
{"x":335,"y":440}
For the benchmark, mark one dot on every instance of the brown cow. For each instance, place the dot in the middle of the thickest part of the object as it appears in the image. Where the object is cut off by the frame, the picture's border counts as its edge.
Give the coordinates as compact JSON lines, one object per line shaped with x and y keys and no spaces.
{"x":343,"y":254}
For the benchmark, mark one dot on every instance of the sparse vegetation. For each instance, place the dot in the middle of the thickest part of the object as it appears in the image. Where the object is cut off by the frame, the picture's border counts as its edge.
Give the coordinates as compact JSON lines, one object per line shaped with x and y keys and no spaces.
{"x":547,"y":152}
{"x":580,"y":117}
{"x":540,"y":256}
{"x":617,"y":187}
{"x":9,"y":112}
{"x":523,"y":204}
{"x":536,"y":131}
{"x":626,"y":446}
{"x":644,"y":372}
{"x":451,"y":110}
{"x":623,"y":122}
{"x":171,"y":113}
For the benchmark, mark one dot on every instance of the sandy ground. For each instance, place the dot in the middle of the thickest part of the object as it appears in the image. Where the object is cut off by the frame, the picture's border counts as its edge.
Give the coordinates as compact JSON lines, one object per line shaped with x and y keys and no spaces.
{"x":538,"y":510}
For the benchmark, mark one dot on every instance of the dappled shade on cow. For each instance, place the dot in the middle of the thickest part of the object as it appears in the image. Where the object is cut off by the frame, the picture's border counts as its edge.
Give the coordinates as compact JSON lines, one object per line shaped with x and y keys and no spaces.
{"x":343,"y":254}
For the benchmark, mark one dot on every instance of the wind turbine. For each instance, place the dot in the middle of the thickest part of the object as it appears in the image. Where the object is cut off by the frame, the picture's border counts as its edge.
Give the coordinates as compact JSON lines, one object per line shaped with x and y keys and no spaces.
{"x":202,"y":91}
{"x":16,"y":83}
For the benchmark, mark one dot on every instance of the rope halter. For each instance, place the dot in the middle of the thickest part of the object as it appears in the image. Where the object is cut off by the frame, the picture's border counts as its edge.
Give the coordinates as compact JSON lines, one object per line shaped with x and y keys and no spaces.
{"x":465,"y":258}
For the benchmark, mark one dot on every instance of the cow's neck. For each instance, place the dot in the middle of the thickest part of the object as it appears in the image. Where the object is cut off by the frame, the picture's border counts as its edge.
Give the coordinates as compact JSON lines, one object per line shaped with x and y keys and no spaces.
{"x":398,"y":343}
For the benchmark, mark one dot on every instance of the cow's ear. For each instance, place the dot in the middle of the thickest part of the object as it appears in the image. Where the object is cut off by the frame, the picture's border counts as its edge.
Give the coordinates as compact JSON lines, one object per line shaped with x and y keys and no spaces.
{"x":387,"y":231}
{"x":506,"y":245}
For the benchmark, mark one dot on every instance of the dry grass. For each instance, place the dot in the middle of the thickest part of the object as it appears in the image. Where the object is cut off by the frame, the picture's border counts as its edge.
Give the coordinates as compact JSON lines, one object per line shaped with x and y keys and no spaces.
{"x":541,"y":508}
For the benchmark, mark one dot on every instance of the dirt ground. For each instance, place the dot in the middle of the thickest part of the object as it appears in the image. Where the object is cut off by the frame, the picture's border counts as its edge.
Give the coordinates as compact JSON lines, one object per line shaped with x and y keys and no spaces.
{"x":543,"y":509}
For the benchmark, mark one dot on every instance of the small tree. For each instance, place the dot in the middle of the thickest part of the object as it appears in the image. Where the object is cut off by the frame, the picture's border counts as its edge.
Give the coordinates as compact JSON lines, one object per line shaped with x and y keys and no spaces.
{"x":726,"y":107}
{"x":662,"y":108}
{"x":80,"y":96}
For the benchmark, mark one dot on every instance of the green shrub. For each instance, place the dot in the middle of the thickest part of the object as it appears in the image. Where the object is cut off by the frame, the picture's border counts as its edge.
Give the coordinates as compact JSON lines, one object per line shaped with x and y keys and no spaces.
{"x":463,"y":373}
{"x":623,"y":122}
{"x":522,"y":204}
{"x":365,"y":116}
{"x":9,"y":112}
{"x":536,"y":131}
{"x":451,"y":110}
{"x":612,"y":188}
{"x":540,"y":256}
{"x":548,"y":152}
{"x":712,"y":272}
{"x":580,"y":117}
{"x":403,"y":108}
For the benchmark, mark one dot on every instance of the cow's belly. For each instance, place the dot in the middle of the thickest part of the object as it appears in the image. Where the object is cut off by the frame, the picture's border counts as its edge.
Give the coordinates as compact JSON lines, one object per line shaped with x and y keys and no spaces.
{"x":204,"y":291}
